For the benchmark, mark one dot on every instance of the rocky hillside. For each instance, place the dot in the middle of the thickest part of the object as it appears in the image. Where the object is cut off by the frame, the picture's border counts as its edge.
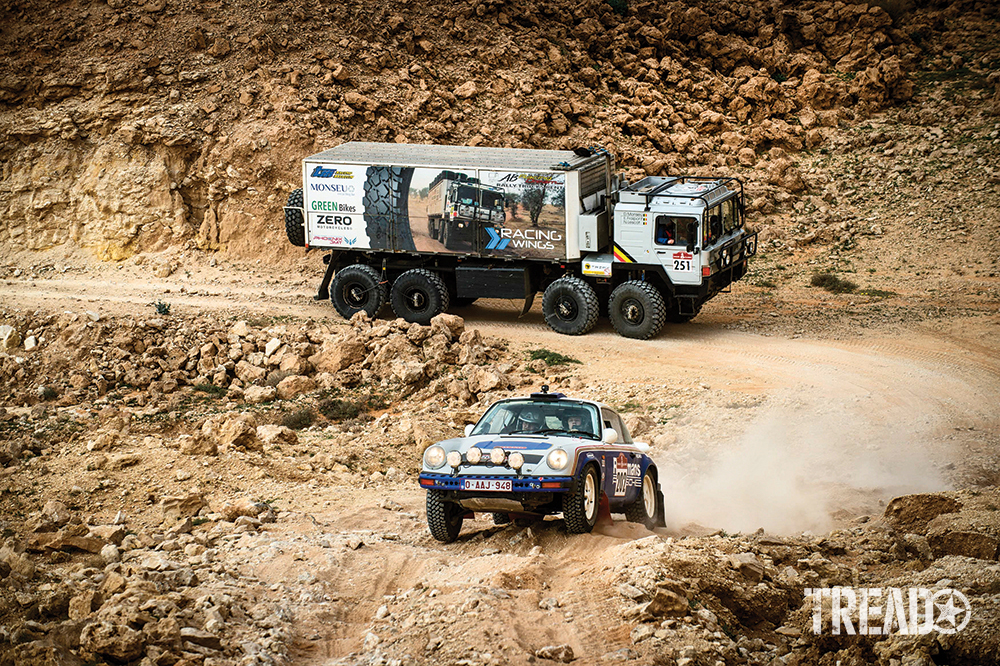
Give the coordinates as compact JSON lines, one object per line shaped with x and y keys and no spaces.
{"x":137,"y":126}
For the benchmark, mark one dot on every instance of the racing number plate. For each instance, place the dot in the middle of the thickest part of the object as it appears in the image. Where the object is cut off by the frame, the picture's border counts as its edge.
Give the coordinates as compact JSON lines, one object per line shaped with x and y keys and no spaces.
{"x":497,"y":485}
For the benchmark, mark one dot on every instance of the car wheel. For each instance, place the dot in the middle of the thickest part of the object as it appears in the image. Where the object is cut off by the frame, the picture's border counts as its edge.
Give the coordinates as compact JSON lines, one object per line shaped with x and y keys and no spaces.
{"x":419,"y":295}
{"x":580,"y":506}
{"x":295,"y":227}
{"x":570,"y":306}
{"x":443,"y":518}
{"x":357,"y":288}
{"x":637,"y":310}
{"x":643,"y":509}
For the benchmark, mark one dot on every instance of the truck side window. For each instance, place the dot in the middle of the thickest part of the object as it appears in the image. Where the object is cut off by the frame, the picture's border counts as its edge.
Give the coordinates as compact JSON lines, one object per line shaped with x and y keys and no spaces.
{"x":712,"y":228}
{"x":730,"y":218}
{"x":666,"y":230}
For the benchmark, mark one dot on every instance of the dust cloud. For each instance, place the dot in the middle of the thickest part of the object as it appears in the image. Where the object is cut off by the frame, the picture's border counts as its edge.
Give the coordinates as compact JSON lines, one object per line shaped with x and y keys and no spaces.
{"x":795,"y":465}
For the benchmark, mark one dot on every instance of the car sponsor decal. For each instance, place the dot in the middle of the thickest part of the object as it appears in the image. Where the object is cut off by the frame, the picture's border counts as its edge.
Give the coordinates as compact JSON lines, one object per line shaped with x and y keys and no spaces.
{"x":625,"y":474}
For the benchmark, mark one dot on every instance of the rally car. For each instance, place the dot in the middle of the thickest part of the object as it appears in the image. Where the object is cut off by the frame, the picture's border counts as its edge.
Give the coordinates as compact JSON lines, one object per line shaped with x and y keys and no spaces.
{"x":540,"y":455}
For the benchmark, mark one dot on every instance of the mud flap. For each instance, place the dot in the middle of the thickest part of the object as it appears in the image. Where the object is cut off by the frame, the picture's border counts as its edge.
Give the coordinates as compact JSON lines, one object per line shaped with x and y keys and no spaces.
{"x":528,"y":301}
{"x":324,"y":286}
{"x":661,"y":519}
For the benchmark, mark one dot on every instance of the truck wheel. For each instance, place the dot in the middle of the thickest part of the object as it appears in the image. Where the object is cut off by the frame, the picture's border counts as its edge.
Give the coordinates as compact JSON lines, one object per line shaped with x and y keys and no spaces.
{"x":643,"y":509}
{"x":295,"y":226}
{"x":357,"y":288}
{"x":570,"y":306}
{"x":443,"y":518}
{"x":386,"y":202}
{"x":418,"y":295}
{"x":580,"y":506}
{"x":637,"y":310}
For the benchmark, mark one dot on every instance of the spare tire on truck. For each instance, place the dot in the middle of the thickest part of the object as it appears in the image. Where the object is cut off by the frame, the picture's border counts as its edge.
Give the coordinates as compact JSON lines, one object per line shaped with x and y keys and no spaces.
{"x":386,"y":201}
{"x":295,"y":226}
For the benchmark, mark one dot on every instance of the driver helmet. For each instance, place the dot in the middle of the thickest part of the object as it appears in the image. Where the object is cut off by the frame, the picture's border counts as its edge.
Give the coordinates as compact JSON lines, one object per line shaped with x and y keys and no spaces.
{"x":531,"y":417}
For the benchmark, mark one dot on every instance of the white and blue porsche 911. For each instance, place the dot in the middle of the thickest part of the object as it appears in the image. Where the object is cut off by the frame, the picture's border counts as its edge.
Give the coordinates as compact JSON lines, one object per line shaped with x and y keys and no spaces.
{"x":539,"y":455}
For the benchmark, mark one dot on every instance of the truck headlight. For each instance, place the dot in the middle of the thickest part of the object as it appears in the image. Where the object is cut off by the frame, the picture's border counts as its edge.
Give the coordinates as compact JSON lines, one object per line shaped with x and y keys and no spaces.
{"x":474,"y":455}
{"x":497,"y":455}
{"x":558,"y":459}
{"x":454,"y":458}
{"x":516,"y":460}
{"x":434,"y":456}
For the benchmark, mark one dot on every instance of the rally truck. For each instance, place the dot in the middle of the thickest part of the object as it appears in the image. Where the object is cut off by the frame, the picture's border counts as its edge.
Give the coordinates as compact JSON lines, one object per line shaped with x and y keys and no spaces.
{"x":459,"y":207}
{"x":540,"y":455}
{"x":644,"y":253}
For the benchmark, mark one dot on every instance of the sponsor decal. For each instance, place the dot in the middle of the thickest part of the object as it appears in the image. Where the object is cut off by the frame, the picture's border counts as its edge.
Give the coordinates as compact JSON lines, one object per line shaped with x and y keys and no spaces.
{"x":890,"y":610}
{"x":626,"y":474}
{"x":521,"y":239}
{"x":333,"y":188}
{"x":683,"y":255}
{"x":333,"y":220}
{"x":597,"y":268}
{"x":531,"y":179}
{"x":335,"y":240}
{"x":683,"y":261}
{"x":332,"y":206}
{"x":326,"y":172}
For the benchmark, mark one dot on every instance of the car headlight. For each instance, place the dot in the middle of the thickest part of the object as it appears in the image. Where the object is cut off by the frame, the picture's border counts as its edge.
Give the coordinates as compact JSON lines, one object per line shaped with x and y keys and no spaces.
{"x":474,"y":455}
{"x":454,"y":458}
{"x":434,"y":456}
{"x":497,"y":455}
{"x":516,"y":460}
{"x":558,"y":459}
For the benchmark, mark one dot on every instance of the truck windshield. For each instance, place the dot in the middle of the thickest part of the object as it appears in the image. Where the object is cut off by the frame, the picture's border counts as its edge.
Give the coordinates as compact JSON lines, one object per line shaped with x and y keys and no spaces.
{"x":528,"y":417}
{"x":493,"y":200}
{"x":467,"y":195}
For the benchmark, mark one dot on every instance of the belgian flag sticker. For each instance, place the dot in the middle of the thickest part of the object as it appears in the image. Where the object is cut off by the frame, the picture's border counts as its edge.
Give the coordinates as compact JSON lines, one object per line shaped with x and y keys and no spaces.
{"x":622,"y":256}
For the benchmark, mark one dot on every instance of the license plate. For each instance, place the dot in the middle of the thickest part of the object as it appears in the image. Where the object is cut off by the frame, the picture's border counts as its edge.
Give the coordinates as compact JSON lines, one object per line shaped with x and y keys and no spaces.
{"x":495,"y":485}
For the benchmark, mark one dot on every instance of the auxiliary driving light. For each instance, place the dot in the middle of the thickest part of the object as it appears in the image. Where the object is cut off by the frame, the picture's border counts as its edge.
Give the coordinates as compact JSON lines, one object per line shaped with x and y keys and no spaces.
{"x":454,"y":458}
{"x":516,"y":460}
{"x":497,"y":455}
{"x":474,"y":455}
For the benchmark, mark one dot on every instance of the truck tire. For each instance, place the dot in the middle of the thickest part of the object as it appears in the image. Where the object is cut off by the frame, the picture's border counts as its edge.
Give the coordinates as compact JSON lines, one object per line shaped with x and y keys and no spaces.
{"x":570,"y":306}
{"x":295,"y":226}
{"x":580,"y":506}
{"x":386,"y":202}
{"x":419,"y":295}
{"x":357,"y":288}
{"x":443,"y":518}
{"x":637,"y":310}
{"x":644,"y":508}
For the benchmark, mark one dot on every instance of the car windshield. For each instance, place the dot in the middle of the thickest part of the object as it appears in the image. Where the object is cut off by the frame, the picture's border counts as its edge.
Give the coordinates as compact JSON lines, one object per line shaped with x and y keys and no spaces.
{"x":530,"y":417}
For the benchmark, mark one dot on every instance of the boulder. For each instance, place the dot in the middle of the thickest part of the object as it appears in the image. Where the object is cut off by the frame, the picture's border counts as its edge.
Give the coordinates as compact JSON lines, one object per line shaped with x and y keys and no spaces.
{"x":179,"y":508}
{"x":119,"y":643}
{"x":451,"y":325}
{"x":271,"y":435}
{"x":561,"y":653}
{"x":249,"y":373}
{"x":235,"y":432}
{"x":10,"y":339}
{"x":340,"y":352}
{"x":966,"y":544}
{"x":295,"y":364}
{"x":289,"y":387}
{"x":912,"y":513}
{"x":255,"y":395}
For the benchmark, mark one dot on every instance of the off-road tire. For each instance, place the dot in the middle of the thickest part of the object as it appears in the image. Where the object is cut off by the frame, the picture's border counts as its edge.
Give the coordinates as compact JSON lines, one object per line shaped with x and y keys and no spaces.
{"x":637,"y":310}
{"x":295,"y":226}
{"x":418,"y":295}
{"x":637,"y":511}
{"x":443,"y":518}
{"x":579,"y":517}
{"x":501,"y":519}
{"x":570,"y":306}
{"x":357,"y":288}
{"x":386,"y":202}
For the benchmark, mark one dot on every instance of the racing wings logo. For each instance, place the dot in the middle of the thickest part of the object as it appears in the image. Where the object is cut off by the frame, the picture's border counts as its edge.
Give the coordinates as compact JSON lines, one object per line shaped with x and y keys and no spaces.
{"x":496,"y":242}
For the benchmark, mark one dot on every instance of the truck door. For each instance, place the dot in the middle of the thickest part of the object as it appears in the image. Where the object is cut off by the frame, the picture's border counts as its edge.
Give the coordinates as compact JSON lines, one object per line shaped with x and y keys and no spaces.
{"x":674,"y":236}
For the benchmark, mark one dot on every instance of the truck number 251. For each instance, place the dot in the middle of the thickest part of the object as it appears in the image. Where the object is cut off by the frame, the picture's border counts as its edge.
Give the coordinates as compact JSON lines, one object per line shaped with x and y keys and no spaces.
{"x":682,"y":264}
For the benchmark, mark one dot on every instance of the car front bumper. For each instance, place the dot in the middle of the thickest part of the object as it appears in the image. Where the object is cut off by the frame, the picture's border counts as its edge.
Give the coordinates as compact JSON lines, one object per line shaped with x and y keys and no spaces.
{"x":519,"y":484}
